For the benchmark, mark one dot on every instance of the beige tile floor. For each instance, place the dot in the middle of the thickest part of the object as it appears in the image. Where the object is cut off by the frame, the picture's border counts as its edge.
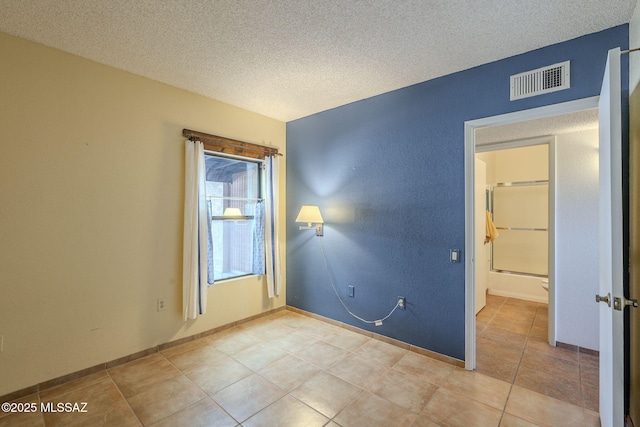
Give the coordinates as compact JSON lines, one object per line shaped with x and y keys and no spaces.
{"x":512,"y":346}
{"x":291,"y":370}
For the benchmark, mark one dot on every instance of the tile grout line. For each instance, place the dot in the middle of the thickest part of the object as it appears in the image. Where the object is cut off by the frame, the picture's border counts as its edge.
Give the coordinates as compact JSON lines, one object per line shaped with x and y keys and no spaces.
{"x":580,"y":381}
{"x":123,"y":397}
{"x":363,"y":390}
{"x":332,"y":419}
{"x":190,"y":380}
{"x":325,"y":370}
{"x":322,"y":370}
{"x":515,"y":375}
{"x":504,"y":410}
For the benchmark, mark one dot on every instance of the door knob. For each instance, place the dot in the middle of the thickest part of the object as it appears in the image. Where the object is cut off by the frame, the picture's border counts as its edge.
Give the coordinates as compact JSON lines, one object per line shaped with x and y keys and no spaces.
{"x":606,"y":299}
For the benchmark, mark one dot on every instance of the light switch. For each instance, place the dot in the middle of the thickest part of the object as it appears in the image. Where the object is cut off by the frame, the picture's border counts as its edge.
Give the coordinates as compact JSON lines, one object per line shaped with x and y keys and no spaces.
{"x":454,"y":255}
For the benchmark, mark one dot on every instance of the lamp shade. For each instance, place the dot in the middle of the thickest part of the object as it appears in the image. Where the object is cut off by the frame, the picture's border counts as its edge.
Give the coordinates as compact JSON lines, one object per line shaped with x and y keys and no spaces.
{"x":232,"y":212}
{"x":309,"y":214}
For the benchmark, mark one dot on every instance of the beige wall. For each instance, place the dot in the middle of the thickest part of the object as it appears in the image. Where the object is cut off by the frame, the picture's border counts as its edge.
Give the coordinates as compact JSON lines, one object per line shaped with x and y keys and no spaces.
{"x":522,"y":164}
{"x":91,"y":193}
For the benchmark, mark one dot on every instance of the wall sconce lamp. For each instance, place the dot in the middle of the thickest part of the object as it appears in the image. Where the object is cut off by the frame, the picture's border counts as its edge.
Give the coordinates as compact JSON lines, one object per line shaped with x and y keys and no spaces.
{"x":310,"y":215}
{"x":231,"y":214}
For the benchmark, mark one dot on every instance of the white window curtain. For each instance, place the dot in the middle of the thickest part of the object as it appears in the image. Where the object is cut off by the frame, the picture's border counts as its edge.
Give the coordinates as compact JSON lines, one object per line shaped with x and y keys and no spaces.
{"x":272,"y":247}
{"x":197,"y":244}
{"x":259,"y":256}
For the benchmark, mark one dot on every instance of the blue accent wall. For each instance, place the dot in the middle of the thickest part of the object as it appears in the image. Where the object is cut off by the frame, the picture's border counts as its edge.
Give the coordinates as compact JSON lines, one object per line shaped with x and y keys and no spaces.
{"x":388,"y":175}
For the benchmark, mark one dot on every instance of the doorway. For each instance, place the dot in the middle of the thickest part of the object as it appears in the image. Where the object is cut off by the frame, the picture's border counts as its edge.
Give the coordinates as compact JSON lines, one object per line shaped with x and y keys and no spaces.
{"x":525,"y":123}
{"x":532,"y":127}
{"x":516,"y":207}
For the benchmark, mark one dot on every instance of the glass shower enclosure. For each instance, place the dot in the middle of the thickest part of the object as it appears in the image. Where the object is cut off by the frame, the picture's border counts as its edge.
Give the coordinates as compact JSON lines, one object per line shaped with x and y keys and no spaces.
{"x":520,"y":212}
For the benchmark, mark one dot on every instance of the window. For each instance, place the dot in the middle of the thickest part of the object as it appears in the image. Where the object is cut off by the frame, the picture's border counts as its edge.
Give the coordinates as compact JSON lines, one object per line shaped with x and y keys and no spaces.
{"x":233,"y":189}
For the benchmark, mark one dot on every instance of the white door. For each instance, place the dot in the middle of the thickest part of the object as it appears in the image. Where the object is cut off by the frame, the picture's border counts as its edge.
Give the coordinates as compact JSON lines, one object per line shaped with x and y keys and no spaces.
{"x":611,"y":319}
{"x":480,"y":256}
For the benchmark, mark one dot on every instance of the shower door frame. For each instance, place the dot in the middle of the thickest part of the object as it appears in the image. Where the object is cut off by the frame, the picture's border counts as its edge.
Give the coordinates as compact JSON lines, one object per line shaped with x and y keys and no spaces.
{"x":525,"y":143}
{"x":470,"y":149}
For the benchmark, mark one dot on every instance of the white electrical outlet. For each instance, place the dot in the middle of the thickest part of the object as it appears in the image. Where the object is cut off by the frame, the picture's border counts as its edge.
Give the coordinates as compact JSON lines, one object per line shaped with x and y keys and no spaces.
{"x":161,"y":304}
{"x":402,"y":303}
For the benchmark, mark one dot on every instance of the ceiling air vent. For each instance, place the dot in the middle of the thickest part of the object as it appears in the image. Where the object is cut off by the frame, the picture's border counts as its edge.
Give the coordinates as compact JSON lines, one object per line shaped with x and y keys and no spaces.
{"x":543,"y":80}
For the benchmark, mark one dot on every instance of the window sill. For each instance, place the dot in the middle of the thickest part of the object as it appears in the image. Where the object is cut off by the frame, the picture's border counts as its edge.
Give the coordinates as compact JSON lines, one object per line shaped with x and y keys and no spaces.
{"x":236,"y":278}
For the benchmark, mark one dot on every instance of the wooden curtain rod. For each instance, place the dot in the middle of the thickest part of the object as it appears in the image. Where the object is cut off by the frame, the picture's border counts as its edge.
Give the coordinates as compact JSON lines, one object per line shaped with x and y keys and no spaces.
{"x":230,"y":146}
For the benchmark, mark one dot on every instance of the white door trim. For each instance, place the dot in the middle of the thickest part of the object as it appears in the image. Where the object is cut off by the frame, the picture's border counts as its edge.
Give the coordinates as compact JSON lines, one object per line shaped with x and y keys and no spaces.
{"x":469,"y":157}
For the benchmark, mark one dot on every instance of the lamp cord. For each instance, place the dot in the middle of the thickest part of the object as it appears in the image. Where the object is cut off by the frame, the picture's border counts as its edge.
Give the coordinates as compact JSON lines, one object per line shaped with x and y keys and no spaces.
{"x":326,"y":266}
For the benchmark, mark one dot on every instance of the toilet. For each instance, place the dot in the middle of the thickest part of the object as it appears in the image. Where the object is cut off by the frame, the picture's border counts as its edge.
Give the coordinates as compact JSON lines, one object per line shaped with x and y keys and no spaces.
{"x":545,"y":284}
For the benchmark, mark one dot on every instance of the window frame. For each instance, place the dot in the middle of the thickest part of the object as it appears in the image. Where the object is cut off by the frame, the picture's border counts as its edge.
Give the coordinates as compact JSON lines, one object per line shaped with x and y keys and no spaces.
{"x":235,"y":149}
{"x":261,"y":193}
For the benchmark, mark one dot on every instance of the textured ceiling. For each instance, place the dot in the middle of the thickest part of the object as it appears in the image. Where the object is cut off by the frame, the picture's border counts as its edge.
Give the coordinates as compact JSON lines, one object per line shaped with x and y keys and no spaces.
{"x":555,"y":125}
{"x":288,"y":59}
